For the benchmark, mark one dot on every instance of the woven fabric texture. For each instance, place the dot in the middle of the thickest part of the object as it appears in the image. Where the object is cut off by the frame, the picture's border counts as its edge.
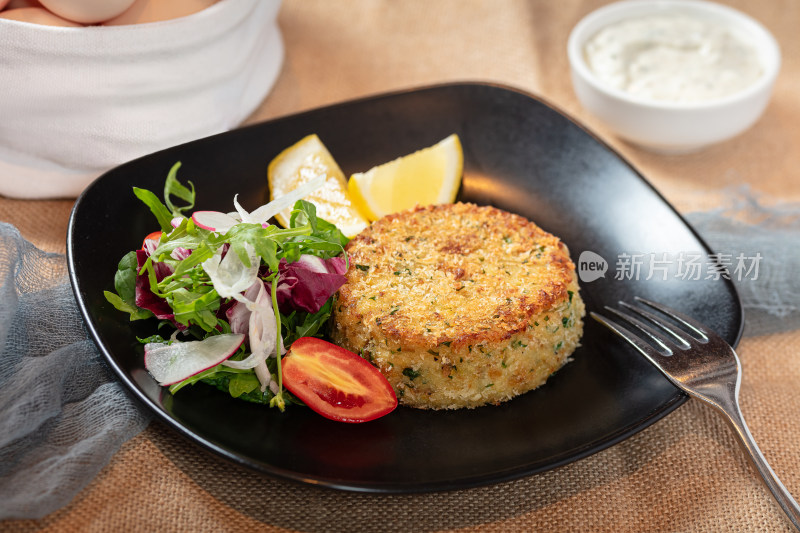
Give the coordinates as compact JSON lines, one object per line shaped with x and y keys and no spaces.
{"x":684,"y":473}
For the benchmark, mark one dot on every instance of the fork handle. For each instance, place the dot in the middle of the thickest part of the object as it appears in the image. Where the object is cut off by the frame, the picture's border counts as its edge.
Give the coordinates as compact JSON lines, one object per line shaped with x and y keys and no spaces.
{"x":733,"y":416}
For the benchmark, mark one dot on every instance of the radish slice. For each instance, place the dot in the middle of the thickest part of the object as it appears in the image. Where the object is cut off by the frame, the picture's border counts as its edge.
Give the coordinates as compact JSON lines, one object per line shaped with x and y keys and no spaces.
{"x":214,"y":221}
{"x":172,"y":363}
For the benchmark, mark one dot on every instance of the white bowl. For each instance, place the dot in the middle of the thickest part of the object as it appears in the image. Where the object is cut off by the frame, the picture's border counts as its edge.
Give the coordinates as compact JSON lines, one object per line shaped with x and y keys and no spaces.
{"x":666,"y":126}
{"x":79,"y":101}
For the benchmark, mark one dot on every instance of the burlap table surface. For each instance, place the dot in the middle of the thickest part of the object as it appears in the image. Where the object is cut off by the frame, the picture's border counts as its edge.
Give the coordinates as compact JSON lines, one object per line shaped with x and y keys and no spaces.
{"x":684,"y":473}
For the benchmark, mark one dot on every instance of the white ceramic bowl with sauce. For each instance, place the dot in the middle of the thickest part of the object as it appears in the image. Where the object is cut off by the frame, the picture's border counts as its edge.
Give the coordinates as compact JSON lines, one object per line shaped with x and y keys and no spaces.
{"x":674,"y":126}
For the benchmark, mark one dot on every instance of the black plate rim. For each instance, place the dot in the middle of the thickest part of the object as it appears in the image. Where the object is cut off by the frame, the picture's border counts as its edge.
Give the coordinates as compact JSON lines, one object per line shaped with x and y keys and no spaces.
{"x":393,"y":487}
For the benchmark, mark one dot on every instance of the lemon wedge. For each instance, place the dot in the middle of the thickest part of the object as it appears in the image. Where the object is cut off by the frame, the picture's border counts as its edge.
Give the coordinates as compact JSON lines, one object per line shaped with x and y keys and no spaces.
{"x":299,"y":164}
{"x":428,"y":176}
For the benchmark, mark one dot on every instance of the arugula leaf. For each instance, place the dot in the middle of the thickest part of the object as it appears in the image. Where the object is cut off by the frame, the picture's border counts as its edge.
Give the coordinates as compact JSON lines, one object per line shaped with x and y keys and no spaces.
{"x":153,"y":338}
{"x":136,"y":313}
{"x":302,"y":324}
{"x":310,"y":245}
{"x":199,"y":254}
{"x":162,"y":214}
{"x":125,"y":286}
{"x":257,"y":237}
{"x":322,"y":231}
{"x":243,"y":383}
{"x":325,"y":240}
{"x":210,"y":373}
{"x":222,"y":381}
{"x":329,"y":232}
{"x":186,"y":235}
{"x":125,"y":278}
{"x":195,"y":307}
{"x":173,"y":187}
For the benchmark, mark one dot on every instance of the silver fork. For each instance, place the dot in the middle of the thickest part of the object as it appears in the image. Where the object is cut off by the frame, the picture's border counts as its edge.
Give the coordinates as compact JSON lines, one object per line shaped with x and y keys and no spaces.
{"x":704,"y":366}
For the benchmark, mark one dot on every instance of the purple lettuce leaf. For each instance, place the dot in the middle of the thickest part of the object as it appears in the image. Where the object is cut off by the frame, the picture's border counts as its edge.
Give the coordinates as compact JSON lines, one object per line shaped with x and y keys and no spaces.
{"x":144,"y":296}
{"x":309,"y":282}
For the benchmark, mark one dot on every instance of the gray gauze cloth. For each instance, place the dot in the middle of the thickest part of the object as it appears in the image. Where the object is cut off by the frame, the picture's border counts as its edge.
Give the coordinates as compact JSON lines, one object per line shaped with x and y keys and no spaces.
{"x":63,"y":414}
{"x":771,"y":293}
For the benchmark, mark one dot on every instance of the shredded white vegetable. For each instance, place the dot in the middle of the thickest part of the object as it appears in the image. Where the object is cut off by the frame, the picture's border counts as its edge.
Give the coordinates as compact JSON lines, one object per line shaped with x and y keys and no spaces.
{"x":262,"y":333}
{"x":267,"y":211}
{"x":229,"y":275}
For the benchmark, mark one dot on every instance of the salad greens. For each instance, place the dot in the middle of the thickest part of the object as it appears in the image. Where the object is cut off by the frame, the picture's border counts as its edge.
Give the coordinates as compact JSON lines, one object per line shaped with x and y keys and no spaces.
{"x":242,"y":277}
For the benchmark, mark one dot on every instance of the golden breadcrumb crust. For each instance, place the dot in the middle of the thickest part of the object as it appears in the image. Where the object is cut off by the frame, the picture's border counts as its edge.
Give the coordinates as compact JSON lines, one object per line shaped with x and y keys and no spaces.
{"x":459,"y":305}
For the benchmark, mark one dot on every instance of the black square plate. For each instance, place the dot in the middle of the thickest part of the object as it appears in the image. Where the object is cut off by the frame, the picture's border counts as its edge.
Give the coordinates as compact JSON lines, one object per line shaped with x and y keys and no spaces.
{"x":520,"y":155}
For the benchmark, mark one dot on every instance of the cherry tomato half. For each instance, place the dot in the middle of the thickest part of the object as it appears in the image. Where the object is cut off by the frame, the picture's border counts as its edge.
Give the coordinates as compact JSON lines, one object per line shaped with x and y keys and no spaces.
{"x":155,"y":236}
{"x":335,"y":382}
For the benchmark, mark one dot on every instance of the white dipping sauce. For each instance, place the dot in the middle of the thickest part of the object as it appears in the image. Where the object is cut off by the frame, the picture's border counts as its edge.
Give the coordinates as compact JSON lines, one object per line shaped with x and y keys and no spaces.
{"x":673,"y":57}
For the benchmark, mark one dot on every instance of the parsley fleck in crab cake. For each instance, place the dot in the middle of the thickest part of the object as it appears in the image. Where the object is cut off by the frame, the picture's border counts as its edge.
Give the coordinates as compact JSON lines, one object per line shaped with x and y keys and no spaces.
{"x":459,"y":305}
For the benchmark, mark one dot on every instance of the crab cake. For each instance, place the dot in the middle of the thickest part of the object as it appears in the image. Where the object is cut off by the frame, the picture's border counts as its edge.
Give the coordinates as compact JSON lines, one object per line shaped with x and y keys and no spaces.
{"x":459,"y":305}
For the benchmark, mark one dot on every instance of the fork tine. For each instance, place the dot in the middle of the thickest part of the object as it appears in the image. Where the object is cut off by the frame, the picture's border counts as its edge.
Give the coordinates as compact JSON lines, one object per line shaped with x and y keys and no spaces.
{"x":644,"y":348}
{"x":680,"y":338}
{"x":666,"y":346}
{"x":687,"y":321}
{"x":664,"y":363}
